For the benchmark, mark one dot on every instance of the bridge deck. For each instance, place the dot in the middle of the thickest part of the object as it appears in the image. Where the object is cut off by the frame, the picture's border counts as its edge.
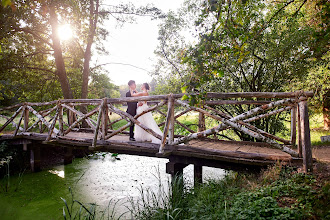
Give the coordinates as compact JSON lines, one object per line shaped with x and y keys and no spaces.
{"x":243,"y":153}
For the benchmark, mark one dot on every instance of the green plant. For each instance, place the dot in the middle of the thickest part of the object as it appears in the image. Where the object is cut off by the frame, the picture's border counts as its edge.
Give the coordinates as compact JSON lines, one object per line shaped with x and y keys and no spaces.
{"x":77,"y":210}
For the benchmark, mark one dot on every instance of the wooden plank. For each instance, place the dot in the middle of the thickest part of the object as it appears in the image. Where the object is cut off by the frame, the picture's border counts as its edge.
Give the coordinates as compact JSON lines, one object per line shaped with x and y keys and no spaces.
{"x":305,"y":137}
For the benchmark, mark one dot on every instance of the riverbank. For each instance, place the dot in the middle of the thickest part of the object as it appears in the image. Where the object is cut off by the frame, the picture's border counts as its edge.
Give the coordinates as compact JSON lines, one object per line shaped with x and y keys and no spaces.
{"x":277,"y":193}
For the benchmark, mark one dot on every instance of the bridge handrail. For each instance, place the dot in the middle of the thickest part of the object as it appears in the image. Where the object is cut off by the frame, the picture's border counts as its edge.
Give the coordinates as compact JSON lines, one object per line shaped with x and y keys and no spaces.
{"x":296,"y":102}
{"x":210,"y":95}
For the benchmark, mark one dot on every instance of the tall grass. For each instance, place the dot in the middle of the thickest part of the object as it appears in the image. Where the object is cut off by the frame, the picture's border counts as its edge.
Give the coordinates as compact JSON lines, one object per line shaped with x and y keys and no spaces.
{"x":278,"y":193}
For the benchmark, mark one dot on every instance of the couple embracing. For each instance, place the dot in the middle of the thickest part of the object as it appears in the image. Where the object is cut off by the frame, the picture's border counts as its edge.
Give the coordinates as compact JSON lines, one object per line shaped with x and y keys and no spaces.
{"x":146,"y":119}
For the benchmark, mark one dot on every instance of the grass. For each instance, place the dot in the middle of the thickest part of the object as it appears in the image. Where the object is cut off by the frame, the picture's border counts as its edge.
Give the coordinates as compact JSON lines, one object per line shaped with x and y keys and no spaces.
{"x":278,"y":193}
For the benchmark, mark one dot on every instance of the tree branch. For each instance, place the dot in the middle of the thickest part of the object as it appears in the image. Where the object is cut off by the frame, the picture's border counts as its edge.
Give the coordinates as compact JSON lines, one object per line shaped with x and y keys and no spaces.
{"x":26,"y":30}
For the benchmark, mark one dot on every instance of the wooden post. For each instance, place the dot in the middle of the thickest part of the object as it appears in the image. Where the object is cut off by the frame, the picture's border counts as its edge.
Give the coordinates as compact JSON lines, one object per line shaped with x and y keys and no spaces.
{"x":26,"y":118}
{"x":60,"y":118}
{"x":201,"y":122}
{"x":71,"y":115}
{"x":35,"y":158}
{"x":299,"y":133}
{"x":293,"y":125}
{"x":96,"y":132}
{"x":171,"y":124}
{"x":305,"y":136}
{"x":198,"y":175}
{"x":175,"y":169}
{"x":68,"y":156}
{"x":104,"y":119}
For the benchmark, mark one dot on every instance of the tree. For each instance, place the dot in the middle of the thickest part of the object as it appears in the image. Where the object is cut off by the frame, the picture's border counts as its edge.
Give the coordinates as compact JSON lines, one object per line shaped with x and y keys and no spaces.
{"x":247,"y":46}
{"x":31,"y":30}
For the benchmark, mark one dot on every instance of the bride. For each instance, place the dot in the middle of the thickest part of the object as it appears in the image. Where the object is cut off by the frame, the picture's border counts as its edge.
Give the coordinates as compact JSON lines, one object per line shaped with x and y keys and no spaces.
{"x":146,"y":119}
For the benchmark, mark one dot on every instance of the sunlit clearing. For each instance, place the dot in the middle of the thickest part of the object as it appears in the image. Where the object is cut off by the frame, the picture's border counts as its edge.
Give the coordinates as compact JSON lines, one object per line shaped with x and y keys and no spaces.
{"x":59,"y":173}
{"x":64,"y":32}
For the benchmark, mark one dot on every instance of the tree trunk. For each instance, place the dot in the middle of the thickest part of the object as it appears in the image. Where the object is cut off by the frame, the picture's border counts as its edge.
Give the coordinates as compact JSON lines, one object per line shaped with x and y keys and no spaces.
{"x":88,"y":53}
{"x":326,"y":110}
{"x":60,"y":67}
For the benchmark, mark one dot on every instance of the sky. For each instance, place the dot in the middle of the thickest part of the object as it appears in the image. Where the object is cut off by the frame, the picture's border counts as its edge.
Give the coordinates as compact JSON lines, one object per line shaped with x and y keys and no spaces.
{"x":133,"y":44}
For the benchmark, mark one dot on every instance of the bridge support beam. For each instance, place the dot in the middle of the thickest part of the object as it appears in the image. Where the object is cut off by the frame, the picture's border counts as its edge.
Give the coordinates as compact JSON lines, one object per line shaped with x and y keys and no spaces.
{"x":305,"y":136}
{"x":198,"y":175}
{"x":35,"y":158}
{"x":68,"y":155}
{"x":175,"y":169}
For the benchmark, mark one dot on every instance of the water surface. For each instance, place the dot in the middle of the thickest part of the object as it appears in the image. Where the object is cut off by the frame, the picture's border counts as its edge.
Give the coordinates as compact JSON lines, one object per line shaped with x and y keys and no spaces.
{"x":100,"y":181}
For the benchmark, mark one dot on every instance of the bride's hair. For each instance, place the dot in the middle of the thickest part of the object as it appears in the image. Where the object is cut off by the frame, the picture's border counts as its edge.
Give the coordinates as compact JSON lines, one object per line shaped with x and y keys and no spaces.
{"x":146,"y":85}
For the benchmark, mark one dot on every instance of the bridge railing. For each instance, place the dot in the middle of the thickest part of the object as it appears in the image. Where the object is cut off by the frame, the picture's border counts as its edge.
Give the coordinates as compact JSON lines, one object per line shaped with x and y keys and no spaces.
{"x":263,"y":104}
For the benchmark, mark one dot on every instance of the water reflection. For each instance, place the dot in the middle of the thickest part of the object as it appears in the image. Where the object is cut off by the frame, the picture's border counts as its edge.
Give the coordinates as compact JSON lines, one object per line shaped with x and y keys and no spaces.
{"x":105,"y":179}
{"x":58,"y":170}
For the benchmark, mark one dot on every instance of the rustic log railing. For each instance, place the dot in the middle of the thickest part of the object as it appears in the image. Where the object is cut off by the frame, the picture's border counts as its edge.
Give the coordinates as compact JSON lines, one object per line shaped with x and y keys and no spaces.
{"x":52,"y":118}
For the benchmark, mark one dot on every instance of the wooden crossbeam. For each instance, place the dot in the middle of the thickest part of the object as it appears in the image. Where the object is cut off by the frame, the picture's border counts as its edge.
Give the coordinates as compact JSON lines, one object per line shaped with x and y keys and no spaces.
{"x":136,"y":116}
{"x":51,"y":129}
{"x":96,"y":131}
{"x":80,"y":119}
{"x":19,"y":123}
{"x":176,"y":121}
{"x":44,"y":115}
{"x":176,"y":116}
{"x":42,"y":119}
{"x":13,"y":123}
{"x":80,"y":114}
{"x":134,"y":119}
{"x":244,"y":122}
{"x":243,"y":116}
{"x":11,"y":118}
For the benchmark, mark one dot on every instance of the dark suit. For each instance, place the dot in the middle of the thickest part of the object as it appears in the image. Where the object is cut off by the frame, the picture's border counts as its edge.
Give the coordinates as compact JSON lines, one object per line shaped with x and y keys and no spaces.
{"x":131,"y":109}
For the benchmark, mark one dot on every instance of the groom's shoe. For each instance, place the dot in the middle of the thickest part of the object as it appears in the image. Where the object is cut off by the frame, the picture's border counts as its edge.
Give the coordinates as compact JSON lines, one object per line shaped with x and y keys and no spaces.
{"x":132,"y":139}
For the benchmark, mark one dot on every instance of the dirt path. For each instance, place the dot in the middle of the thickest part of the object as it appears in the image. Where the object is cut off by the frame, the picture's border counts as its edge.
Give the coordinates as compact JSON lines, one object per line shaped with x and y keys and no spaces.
{"x":322,"y":153}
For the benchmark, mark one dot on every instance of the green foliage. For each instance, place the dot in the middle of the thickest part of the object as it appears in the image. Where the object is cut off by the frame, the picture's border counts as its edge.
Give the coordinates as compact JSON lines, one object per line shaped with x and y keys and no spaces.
{"x":243,"y":46}
{"x":74,"y":209}
{"x":284,"y":194}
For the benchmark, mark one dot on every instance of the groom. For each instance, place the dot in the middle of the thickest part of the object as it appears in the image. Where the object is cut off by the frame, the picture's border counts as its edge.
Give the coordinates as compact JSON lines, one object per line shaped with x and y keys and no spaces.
{"x":131,"y":107}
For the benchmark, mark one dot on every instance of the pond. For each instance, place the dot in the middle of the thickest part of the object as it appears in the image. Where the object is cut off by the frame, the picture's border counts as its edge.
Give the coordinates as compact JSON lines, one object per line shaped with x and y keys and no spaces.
{"x":102,"y":179}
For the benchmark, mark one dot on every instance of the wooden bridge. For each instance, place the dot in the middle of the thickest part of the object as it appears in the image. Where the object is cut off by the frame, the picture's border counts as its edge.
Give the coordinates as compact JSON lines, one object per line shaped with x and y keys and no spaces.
{"x":60,"y":123}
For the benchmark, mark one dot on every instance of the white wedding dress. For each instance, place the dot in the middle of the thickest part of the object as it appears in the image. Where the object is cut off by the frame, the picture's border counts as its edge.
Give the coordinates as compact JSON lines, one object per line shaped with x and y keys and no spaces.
{"x":149,"y":121}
